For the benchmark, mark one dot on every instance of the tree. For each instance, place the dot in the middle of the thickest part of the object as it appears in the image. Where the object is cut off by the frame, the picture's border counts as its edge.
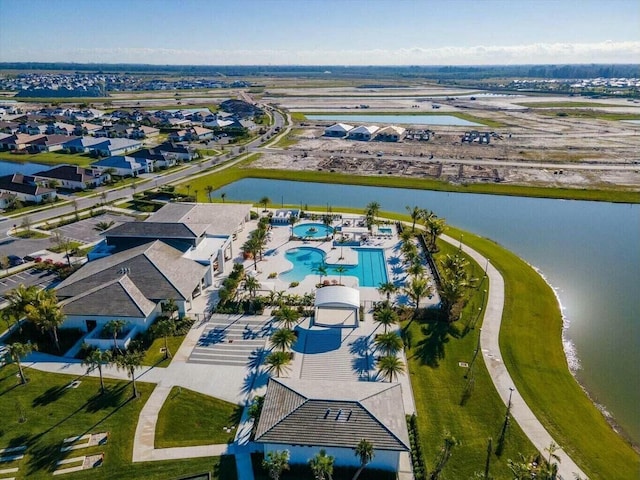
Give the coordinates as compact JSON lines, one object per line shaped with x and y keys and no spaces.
{"x":5,"y":263}
{"x":46,"y":314}
{"x":195,"y":194}
{"x":449,"y":441}
{"x":416,"y":267}
{"x":365,"y":453}
{"x":386,"y":316}
{"x":17,"y":351}
{"x":165,"y":327}
{"x":114,"y":327}
{"x":435,"y":226}
{"x":321,"y":270}
{"x":62,"y":242}
{"x":278,"y":362}
{"x":417,"y":289}
{"x":74,"y":204}
{"x":26,"y":223}
{"x":340,"y":269}
{"x":223,"y":196}
{"x":264,"y":201}
{"x":103,"y":226}
{"x":103,"y":197}
{"x":18,"y":299}
{"x":97,"y":359}
{"x":388,"y":343}
{"x":252,"y":246}
{"x":209,"y":190}
{"x":322,"y":465}
{"x":130,"y":361}
{"x":387,"y":289}
{"x":169,"y":306}
{"x":371,"y":212}
{"x":251,"y":284}
{"x":416,"y":214}
{"x":275,"y":463}
{"x":287,"y":316}
{"x":390,"y":367}
{"x":283,"y":339}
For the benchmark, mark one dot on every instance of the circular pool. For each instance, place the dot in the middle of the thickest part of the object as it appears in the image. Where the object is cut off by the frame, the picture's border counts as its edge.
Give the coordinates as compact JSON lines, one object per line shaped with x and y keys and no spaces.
{"x":312,"y":230}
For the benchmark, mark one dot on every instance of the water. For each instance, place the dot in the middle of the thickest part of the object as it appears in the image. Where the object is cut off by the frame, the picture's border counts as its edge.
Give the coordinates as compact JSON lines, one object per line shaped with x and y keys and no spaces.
{"x":589,"y":251}
{"x":312,"y":230}
{"x":371,"y":270}
{"x":7,"y":168}
{"x":395,"y":119}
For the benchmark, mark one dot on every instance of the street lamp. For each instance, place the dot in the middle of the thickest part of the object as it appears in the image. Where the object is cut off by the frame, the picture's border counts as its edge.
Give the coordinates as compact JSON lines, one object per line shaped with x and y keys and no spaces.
{"x":511,"y":389}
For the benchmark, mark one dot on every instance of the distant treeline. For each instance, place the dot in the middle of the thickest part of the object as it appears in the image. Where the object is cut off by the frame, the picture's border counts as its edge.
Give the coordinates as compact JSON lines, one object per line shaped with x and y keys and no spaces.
{"x":333,"y":71}
{"x":60,"y":93}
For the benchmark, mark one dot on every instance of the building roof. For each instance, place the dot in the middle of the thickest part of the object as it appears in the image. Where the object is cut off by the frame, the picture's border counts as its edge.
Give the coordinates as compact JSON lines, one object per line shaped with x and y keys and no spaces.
{"x":212,"y":218}
{"x":333,"y":414}
{"x":69,"y":172}
{"x":339,"y":127}
{"x":364,"y":129}
{"x":153,"y":230}
{"x":25,"y":184}
{"x":118,"y":161}
{"x":392,"y":130}
{"x":48,"y":140}
{"x":337,"y":296}
{"x":158,"y":270}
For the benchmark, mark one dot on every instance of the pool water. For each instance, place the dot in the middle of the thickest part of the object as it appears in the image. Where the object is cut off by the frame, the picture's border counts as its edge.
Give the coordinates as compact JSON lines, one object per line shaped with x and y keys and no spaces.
{"x":385,"y":230}
{"x":312,"y":230}
{"x":371,"y":270}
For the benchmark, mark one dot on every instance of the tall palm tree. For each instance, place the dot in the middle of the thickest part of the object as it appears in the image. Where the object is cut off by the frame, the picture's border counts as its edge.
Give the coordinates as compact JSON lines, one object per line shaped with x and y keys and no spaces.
{"x":130,"y":361}
{"x":388,"y":343}
{"x":406,"y":235}
{"x":264,"y":201}
{"x":114,"y":327}
{"x":252,"y":246}
{"x":278,"y":362}
{"x":223,"y":196}
{"x":287,"y":316}
{"x":365,"y":453}
{"x":451,"y":292}
{"x":283,"y":339}
{"x":322,"y":466}
{"x":435,"y":227}
{"x":387,"y":289}
{"x":416,"y":214}
{"x":209,"y":190}
{"x":371,"y":212}
{"x":252,"y":284}
{"x":165,"y":327}
{"x":275,"y":463}
{"x":416,"y":268}
{"x":17,"y":351}
{"x":97,"y":359}
{"x":47,"y":314}
{"x":340,"y":269}
{"x":386,"y":316}
{"x":417,"y":289}
{"x":18,"y":299}
{"x":195,"y":195}
{"x":390,"y":367}
{"x":321,"y":270}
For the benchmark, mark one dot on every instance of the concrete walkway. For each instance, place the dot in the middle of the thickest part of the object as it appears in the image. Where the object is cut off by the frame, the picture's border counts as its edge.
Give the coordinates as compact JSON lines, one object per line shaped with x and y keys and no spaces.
{"x":489,"y":343}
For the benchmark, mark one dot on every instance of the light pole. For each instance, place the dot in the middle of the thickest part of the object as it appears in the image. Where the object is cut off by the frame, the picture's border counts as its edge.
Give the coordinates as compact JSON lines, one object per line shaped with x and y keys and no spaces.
{"x":511,"y":389}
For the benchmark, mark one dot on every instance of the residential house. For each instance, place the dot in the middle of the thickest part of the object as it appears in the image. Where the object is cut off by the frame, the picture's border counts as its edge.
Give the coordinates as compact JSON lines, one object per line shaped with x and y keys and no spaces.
{"x":17,"y":141}
{"x":338,"y":130}
{"x":143,"y":131}
{"x":158,"y":160}
{"x":363,"y":133}
{"x":32,"y":128}
{"x":123,"y":166}
{"x":6,"y":199}
{"x":73,"y":177}
{"x":87,"y":128}
{"x":60,"y":128}
{"x":191,"y":134}
{"x":83,"y":144}
{"x":9,"y":127}
{"x":391,"y":133}
{"x":26,"y":188}
{"x":176,"y":152}
{"x":304,"y":416}
{"x":48,"y":143}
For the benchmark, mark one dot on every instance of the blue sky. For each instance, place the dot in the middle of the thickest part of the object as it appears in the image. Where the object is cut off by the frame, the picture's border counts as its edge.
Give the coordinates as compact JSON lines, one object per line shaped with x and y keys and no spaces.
{"x":313,"y":32}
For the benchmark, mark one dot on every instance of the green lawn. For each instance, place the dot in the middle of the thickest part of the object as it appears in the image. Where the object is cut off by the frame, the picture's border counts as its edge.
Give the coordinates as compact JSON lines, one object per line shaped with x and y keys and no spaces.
{"x":567,"y":104}
{"x":288,"y":140}
{"x":591,"y":114}
{"x":53,"y":412}
{"x":50,"y":158}
{"x":190,"y":418}
{"x":442,"y":395}
{"x":531,"y":345}
{"x":155,"y":357}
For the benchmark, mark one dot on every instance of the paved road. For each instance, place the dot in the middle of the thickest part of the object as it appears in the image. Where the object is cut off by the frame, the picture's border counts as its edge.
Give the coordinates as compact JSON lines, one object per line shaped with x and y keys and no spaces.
{"x":27,"y":277}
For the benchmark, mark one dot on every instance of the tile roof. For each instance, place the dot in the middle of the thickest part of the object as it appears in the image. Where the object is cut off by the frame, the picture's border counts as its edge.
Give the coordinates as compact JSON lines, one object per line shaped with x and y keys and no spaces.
{"x":333,"y":414}
{"x":68,"y":172}
{"x":214,"y":219}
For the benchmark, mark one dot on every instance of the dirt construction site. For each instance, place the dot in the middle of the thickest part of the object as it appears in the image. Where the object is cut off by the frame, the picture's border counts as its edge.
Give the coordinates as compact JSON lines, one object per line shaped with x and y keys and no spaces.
{"x":529,"y":140}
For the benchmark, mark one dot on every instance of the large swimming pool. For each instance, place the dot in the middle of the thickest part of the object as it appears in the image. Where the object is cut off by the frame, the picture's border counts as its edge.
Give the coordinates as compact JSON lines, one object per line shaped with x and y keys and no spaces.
{"x":371,"y":270}
{"x":312,"y":230}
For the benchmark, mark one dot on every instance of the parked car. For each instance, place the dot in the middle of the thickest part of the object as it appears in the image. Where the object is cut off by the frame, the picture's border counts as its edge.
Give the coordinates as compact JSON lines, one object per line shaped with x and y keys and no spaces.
{"x":15,"y":260}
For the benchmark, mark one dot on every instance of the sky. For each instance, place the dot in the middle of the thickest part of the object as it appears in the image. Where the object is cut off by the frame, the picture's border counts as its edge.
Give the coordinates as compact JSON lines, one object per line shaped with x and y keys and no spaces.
{"x":320,"y":32}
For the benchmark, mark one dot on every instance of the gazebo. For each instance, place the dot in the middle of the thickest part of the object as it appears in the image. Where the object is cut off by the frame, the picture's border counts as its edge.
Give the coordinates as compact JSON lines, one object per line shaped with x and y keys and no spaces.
{"x":337,"y":306}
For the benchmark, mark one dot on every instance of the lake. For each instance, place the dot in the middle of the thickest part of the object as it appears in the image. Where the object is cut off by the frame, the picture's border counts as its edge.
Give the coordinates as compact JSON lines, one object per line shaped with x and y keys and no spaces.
{"x":7,"y":168}
{"x":396,"y":119}
{"x":588,"y":251}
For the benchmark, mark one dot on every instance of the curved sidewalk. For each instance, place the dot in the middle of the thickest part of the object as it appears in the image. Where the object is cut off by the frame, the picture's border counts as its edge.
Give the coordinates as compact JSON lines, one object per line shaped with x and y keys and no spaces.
{"x":489,"y":343}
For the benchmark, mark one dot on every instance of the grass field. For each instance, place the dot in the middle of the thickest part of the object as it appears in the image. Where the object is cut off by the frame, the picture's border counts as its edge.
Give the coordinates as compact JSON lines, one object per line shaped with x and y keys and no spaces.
{"x":470,"y":410}
{"x":52,"y":412}
{"x":567,"y":104}
{"x":190,"y":418}
{"x":590,"y":114}
{"x":531,"y":346}
{"x":49,"y":158}
{"x":154,"y":355}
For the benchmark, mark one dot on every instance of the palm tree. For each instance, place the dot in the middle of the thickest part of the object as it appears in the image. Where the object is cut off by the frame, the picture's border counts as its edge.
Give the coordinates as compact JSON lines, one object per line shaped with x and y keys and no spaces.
{"x":275,"y":463}
{"x":223,"y":196}
{"x":449,"y":442}
{"x":251,"y":284}
{"x":283,"y":338}
{"x":390,"y":367}
{"x":209,"y":190}
{"x":435,"y":226}
{"x":321,"y":270}
{"x":18,"y":299}
{"x":386,"y":316}
{"x":287,"y":316}
{"x":365,"y":453}
{"x":387,"y":289}
{"x":451,"y":292}
{"x":322,"y":466}
{"x":340,"y":269}
{"x":371,"y":212}
{"x":188,"y":187}
{"x":169,"y":306}
{"x":416,"y":214}
{"x":388,"y":343}
{"x":102,"y":226}
{"x":97,"y":359}
{"x":166,"y":327}
{"x":195,"y":195}
{"x":406,"y":235}
{"x":130,"y":361}
{"x":278,"y":362}
{"x":114,"y":327}
{"x":47,"y":314}
{"x":264,"y":201}
{"x":417,"y":289}
{"x":252,"y":246}
{"x":17,"y":351}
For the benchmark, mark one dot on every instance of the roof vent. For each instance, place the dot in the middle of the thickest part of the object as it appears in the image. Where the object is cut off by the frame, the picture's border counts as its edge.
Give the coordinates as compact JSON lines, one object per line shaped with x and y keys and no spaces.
{"x":125,"y":270}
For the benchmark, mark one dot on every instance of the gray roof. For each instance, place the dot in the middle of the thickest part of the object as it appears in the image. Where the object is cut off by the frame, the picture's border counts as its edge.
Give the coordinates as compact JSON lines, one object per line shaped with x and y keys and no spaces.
{"x":333,"y":414}
{"x":152,"y":230}
{"x":158,"y":270}
{"x":212,"y":218}
{"x":119,"y":298}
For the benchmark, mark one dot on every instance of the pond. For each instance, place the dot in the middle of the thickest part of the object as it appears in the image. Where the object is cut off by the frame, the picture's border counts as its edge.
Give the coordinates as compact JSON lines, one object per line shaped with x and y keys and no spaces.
{"x":587,"y":250}
{"x":7,"y":168}
{"x":398,"y":119}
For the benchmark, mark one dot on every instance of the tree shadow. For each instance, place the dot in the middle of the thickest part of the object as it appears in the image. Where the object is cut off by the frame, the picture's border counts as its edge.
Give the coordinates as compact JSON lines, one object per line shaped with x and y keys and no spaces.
{"x":431,"y":349}
{"x":236,"y":415}
{"x":112,"y":397}
{"x":44,"y":458}
{"x":226,"y":467}
{"x":51,"y":395}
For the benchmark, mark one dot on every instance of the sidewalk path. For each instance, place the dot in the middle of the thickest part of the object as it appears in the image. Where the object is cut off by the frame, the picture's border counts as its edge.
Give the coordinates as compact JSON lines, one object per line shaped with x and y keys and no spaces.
{"x":489,"y":342}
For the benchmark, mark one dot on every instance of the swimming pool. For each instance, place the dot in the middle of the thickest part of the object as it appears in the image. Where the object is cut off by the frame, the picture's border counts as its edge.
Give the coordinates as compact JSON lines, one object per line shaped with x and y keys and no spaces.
{"x":371,"y":270}
{"x":385,"y":230}
{"x":312,"y":230}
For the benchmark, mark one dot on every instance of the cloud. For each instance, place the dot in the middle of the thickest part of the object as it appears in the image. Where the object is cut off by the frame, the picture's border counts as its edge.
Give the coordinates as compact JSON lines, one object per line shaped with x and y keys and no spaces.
{"x":599,"y":52}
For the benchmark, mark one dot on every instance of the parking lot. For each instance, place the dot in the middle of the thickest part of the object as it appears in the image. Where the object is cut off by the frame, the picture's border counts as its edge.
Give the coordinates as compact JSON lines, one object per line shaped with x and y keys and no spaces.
{"x":85,"y":231}
{"x":28,"y":278}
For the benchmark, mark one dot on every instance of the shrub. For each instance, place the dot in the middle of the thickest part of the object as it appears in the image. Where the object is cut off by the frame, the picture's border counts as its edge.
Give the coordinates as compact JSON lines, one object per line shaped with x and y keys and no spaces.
{"x":294,"y":284}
